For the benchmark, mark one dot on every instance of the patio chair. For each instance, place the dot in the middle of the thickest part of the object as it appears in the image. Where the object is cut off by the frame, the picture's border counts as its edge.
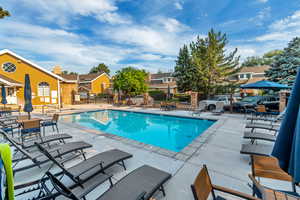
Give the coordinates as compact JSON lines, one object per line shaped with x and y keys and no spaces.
{"x":52,"y":122}
{"x":219,"y":108}
{"x":266,"y":193}
{"x":200,"y":109}
{"x":203,"y":187}
{"x":30,"y":129}
{"x":95,"y":164}
{"x":256,"y":149}
{"x":140,"y":184}
{"x":37,"y":158}
{"x":268,"y":167}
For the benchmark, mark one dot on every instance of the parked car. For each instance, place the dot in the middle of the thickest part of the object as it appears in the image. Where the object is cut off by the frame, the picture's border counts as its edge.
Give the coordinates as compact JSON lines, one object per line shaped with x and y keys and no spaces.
{"x":211,"y":102}
{"x":251,"y":102}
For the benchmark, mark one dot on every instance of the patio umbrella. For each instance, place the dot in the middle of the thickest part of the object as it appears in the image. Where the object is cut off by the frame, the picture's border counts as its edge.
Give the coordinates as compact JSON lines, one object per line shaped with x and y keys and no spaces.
{"x":287,"y":145}
{"x":27,"y":96}
{"x":3,"y":95}
{"x":265,"y":85}
{"x":169,"y":92}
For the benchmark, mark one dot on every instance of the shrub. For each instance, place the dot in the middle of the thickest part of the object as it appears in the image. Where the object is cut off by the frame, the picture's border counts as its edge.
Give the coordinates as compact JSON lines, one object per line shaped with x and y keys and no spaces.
{"x":157,"y":95}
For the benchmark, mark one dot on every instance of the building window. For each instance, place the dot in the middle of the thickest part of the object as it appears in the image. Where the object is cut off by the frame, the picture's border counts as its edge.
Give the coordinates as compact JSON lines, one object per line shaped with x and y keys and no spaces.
{"x":242,"y":76}
{"x":43,"y":89}
{"x":248,"y":76}
{"x":9,"y":67}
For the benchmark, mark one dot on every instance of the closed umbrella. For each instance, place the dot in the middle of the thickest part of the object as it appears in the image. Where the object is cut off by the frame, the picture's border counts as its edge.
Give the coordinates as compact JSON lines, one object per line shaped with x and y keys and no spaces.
{"x":287,"y":145}
{"x":3,"y":95}
{"x":169,"y":93}
{"x":27,"y":96}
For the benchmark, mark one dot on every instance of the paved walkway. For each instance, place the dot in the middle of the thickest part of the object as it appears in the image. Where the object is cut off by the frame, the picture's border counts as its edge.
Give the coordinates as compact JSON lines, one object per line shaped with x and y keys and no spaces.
{"x":219,"y":150}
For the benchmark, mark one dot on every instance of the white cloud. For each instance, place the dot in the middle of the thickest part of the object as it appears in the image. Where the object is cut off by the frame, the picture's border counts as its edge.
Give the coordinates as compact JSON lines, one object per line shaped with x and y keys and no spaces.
{"x":283,"y":30}
{"x":178,"y":5}
{"x":61,"y":11}
{"x":262,"y":15}
{"x":172,"y":25}
{"x":262,"y":1}
{"x":149,"y":39}
{"x":59,"y":47}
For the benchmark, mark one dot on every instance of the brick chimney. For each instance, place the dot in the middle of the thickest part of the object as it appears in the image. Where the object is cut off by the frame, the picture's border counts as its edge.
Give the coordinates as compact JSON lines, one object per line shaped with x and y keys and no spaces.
{"x":57,"y":70}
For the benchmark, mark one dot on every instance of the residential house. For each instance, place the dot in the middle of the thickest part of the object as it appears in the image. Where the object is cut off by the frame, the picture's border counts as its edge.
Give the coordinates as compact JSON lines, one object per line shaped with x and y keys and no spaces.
{"x":47,"y":87}
{"x":93,"y":84}
{"x":251,"y":75}
{"x":163,"y":81}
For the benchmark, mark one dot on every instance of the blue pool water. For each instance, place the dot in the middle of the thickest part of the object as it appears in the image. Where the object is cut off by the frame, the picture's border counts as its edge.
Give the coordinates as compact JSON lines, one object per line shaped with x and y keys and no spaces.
{"x":168,"y":132}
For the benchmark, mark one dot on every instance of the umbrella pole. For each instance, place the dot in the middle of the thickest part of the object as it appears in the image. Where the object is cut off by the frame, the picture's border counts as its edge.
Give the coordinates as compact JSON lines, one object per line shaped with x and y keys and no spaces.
{"x":294,"y":186}
{"x":28,"y":115}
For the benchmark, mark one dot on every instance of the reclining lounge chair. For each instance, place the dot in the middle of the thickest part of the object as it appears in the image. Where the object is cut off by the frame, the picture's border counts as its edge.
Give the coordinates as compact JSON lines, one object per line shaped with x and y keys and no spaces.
{"x":38,"y":158}
{"x":95,"y":164}
{"x":257,"y":149}
{"x":140,"y":184}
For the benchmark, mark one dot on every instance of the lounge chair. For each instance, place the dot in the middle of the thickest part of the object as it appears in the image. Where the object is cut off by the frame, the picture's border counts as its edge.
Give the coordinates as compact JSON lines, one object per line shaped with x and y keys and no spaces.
{"x":95,"y":164}
{"x":219,"y":108}
{"x":266,"y":118}
{"x":38,"y":158}
{"x":257,"y":149}
{"x":200,"y":109}
{"x":140,"y":184}
{"x":52,"y":122}
{"x":259,"y":136}
{"x":203,"y":187}
{"x":43,"y":140}
{"x":269,"y":127}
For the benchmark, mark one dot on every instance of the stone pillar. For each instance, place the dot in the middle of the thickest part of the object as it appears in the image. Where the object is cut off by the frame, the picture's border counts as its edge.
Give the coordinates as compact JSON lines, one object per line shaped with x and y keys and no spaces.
{"x":194,"y":100}
{"x":116,"y":98}
{"x":146,"y":98}
{"x":282,"y":100}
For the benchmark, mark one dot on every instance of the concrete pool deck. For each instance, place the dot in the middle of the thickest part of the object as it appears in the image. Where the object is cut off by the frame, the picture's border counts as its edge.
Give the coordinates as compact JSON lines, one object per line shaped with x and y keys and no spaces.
{"x":218,"y":147}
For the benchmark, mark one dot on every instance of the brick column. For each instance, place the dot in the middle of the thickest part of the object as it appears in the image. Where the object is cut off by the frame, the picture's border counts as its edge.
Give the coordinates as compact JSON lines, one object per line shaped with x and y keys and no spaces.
{"x":116,"y":98}
{"x":282,"y":100}
{"x":194,"y":99}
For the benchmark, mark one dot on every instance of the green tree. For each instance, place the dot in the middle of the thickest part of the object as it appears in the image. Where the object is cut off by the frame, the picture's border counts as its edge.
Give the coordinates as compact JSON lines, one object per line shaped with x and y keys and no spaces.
{"x":210,"y":66}
{"x":253,"y":61}
{"x":67,"y":72}
{"x":3,"y":13}
{"x":100,"y":68}
{"x":285,"y":65}
{"x":185,"y":71}
{"x":266,"y":59}
{"x":130,"y":81}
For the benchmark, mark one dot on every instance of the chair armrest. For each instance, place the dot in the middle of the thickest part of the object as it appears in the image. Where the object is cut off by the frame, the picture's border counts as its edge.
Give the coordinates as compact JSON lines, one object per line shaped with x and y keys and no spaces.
{"x":234,"y":192}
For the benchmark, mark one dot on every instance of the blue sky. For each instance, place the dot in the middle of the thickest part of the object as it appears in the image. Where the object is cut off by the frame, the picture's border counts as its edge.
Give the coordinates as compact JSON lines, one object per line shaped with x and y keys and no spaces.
{"x":141,"y":33}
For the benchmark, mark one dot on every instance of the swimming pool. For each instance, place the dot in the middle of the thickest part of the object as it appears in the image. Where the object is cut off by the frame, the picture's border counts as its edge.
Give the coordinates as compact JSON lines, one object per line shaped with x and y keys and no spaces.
{"x":168,"y":132}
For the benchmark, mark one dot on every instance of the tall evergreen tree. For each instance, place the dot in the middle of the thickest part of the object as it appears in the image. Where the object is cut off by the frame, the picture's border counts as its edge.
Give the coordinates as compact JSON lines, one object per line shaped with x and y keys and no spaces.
{"x":208,"y":64}
{"x":3,"y":13}
{"x":285,"y":65}
{"x":185,"y":71}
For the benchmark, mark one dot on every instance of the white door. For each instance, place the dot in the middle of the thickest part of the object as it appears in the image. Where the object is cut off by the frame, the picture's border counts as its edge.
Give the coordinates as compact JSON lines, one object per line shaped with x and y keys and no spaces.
{"x":11,"y":95}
